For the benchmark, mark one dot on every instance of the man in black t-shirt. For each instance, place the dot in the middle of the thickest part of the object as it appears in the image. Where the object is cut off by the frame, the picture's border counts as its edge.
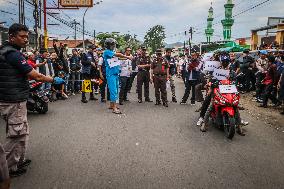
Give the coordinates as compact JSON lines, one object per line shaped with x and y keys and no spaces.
{"x":14,"y":92}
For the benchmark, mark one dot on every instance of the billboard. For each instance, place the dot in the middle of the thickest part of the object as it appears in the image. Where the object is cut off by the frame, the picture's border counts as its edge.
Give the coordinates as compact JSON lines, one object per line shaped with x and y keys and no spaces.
{"x":76,"y":3}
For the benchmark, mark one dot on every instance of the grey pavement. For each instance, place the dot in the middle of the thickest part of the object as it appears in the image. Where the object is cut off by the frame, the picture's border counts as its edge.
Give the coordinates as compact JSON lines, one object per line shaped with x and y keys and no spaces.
{"x":85,"y":146}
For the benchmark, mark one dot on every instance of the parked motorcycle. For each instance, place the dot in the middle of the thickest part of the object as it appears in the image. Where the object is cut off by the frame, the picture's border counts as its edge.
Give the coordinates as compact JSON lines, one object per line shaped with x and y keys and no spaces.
{"x":223,"y":112}
{"x":38,"y":98}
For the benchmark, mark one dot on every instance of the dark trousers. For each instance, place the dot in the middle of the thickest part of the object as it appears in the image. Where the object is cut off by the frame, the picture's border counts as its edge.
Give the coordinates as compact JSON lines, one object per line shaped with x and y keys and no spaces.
{"x":124,"y":83}
{"x":205,"y":105}
{"x":198,"y":92}
{"x":131,"y":80}
{"x":103,"y":87}
{"x":160,"y":84}
{"x":189,"y":86}
{"x":250,"y":80}
{"x":269,"y":93}
{"x":143,"y":78}
{"x":74,"y":82}
{"x":259,"y":86}
{"x":183,"y":76}
{"x":87,"y":77}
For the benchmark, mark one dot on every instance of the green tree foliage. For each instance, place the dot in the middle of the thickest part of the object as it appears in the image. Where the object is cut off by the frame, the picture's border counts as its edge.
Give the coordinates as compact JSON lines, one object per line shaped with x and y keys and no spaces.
{"x":123,"y":40}
{"x":154,"y":38}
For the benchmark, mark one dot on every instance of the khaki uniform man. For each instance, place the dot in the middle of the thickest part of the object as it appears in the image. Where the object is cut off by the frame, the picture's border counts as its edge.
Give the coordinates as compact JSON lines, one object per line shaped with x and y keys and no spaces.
{"x":160,"y":75}
{"x":172,"y":71}
{"x":143,"y":76}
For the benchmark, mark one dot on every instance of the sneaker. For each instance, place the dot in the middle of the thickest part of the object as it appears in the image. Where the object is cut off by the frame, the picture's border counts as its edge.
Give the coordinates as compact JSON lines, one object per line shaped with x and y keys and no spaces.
{"x":200,"y":121}
{"x":263,"y":106}
{"x":158,"y":103}
{"x":244,"y":123}
{"x":93,"y":98}
{"x":277,"y":104}
{"x":174,"y":100}
{"x":103,"y":101}
{"x":84,"y":100}
{"x":259,"y":100}
{"x":203,"y":128}
{"x":254,"y":99}
{"x":148,"y":100}
{"x":25,"y":163}
{"x":73,"y":94}
{"x":192,"y":103}
{"x":165,"y":104}
{"x":17,"y":173}
{"x":182,"y":103}
{"x":121,"y":103}
{"x":139,"y":101}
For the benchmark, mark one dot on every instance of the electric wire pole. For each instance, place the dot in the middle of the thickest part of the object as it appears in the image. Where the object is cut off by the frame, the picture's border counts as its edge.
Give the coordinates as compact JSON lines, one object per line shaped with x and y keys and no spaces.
{"x":75,"y":36}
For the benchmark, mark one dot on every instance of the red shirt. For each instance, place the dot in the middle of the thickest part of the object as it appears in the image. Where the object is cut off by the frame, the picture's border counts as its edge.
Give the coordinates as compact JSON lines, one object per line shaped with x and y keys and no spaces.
{"x":270,"y":76}
{"x":32,"y":63}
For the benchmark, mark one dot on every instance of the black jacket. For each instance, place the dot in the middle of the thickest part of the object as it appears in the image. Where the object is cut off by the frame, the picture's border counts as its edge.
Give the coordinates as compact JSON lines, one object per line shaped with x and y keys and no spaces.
{"x":14,"y":87}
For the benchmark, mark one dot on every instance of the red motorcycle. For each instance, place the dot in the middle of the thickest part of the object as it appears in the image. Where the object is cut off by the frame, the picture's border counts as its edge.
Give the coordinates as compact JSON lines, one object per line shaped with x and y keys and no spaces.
{"x":223,"y":111}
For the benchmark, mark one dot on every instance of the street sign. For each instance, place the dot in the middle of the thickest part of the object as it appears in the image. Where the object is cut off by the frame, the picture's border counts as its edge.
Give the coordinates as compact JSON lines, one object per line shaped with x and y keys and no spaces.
{"x":87,"y":86}
{"x":76,"y":3}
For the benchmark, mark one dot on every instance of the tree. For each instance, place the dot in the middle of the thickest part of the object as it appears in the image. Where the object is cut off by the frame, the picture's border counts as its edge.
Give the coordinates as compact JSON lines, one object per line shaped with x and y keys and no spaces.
{"x":154,"y":39}
{"x":123,"y":40}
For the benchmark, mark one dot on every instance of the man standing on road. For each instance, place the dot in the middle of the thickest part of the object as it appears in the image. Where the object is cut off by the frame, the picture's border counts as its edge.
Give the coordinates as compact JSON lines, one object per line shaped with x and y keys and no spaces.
{"x":88,"y":64}
{"x":172,"y":71}
{"x":134,"y":70}
{"x":126,"y":69}
{"x":160,"y":75}
{"x":14,"y":92}
{"x":143,"y":76}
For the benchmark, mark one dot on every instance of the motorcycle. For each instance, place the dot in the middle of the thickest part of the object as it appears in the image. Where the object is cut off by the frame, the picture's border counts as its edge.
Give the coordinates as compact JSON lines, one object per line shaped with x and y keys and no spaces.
{"x":38,"y":98}
{"x":223,"y":111}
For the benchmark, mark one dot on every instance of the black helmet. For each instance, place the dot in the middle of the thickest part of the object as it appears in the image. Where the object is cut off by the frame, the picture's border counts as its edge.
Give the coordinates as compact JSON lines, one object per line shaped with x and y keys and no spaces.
{"x":110,"y":43}
{"x":159,"y":51}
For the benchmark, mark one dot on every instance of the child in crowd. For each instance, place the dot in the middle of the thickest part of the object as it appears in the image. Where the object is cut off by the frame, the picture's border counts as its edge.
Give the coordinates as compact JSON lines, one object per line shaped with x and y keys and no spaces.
{"x":57,"y":88}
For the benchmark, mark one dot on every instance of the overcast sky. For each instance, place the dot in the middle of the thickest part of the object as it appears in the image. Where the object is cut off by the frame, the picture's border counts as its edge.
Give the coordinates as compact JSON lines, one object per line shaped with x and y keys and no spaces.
{"x":137,"y":16}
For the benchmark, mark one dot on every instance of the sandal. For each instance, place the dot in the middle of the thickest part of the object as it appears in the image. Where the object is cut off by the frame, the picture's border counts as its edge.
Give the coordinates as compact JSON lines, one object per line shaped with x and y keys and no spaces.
{"x":117,"y":111}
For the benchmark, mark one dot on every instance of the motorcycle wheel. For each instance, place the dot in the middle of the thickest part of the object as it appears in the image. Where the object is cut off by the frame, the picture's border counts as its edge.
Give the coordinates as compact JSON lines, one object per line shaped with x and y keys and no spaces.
{"x":43,"y":108}
{"x":229,"y":126}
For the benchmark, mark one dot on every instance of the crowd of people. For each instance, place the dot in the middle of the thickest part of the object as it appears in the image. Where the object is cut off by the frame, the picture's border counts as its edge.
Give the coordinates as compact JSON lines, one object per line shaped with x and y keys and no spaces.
{"x":112,"y":75}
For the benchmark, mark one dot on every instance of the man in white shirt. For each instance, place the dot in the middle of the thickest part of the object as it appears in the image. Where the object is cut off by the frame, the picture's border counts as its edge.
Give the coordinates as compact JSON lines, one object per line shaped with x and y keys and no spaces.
{"x":126,"y":69}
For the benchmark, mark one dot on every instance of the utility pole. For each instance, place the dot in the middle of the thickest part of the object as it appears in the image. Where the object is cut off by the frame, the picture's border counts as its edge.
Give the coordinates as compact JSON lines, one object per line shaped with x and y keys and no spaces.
{"x":184,"y":44}
{"x":75,"y":36}
{"x":36,"y":27}
{"x":190,"y":39}
{"x":44,"y":25}
{"x":21,"y":12}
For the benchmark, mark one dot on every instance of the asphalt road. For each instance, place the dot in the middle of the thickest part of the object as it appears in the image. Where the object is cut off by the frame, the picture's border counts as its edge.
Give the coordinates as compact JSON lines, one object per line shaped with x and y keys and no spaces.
{"x":85,"y":146}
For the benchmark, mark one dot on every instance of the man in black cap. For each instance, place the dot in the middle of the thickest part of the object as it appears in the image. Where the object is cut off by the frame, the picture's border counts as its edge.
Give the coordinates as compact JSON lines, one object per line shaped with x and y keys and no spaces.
{"x":172,"y":71}
{"x":143,"y":76}
{"x":88,"y":64}
{"x":160,"y":75}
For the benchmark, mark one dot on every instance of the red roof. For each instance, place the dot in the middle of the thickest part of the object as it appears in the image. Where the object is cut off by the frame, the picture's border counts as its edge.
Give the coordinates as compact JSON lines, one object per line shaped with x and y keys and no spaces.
{"x":70,"y":43}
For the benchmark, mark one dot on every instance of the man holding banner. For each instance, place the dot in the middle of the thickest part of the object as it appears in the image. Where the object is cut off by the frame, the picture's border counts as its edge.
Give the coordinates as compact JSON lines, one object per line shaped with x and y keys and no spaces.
{"x":192,"y":77}
{"x":219,"y":74}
